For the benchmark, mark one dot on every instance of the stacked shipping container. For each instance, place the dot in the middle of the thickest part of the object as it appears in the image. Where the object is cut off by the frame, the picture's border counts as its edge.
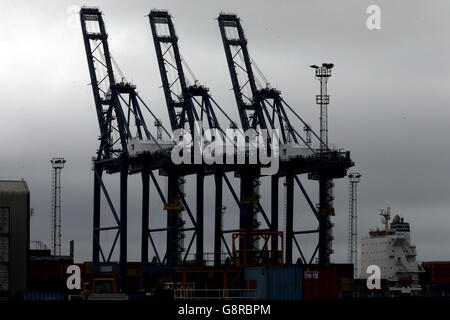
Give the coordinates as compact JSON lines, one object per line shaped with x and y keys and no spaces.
{"x":275,"y":283}
{"x":308,"y":282}
{"x":435,"y":281}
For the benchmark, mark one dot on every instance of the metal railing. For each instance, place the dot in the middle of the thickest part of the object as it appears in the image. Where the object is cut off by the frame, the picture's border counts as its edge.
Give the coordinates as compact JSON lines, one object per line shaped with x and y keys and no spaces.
{"x":207,"y":259}
{"x":214,"y":294}
{"x":38,"y":245}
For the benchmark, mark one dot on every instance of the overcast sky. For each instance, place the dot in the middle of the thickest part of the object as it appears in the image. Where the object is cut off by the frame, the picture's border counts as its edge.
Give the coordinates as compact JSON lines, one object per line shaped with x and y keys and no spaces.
{"x":389,"y":103}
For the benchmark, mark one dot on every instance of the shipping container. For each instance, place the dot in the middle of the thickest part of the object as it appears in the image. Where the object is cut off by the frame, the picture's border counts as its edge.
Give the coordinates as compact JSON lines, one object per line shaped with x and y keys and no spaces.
{"x":436,"y":272}
{"x":275,"y":283}
{"x":320,"y":283}
{"x":48,"y":275}
{"x":42,"y":295}
{"x":345,"y":279}
{"x":346,"y":284}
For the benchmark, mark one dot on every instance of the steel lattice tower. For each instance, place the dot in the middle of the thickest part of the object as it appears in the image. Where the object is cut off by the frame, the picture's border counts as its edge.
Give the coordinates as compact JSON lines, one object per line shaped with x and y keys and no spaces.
{"x":57,"y":166}
{"x":323,"y":99}
{"x":326,"y":184}
{"x":353,"y":179}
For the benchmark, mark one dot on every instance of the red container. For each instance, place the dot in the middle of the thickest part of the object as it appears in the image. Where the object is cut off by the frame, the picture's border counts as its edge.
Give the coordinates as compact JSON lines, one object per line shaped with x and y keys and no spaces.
{"x":41,"y":270}
{"x":437,"y":272}
{"x":320,"y":283}
{"x":48,"y":275}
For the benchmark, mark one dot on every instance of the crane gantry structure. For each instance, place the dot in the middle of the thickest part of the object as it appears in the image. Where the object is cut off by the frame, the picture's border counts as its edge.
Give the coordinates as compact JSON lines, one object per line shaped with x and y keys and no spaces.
{"x":127,"y":146}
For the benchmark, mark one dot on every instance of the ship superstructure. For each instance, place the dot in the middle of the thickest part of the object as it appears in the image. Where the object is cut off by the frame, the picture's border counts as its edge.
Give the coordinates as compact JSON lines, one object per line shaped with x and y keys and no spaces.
{"x":390,"y":248}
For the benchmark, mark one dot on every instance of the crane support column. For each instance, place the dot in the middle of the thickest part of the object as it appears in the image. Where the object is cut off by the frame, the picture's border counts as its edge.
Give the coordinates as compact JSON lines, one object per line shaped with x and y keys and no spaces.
{"x":218,"y":220}
{"x":123,"y":223}
{"x":174,"y":221}
{"x":289,"y":216}
{"x":145,"y":214}
{"x":325,"y":211}
{"x":274,"y":211}
{"x":98,"y":171}
{"x":248,"y":220}
{"x":200,"y":219}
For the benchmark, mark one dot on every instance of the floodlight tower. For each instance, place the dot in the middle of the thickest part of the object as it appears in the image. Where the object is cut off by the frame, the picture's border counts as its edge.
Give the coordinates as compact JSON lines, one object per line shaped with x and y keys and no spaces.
{"x":57,"y":166}
{"x":324,"y":176}
{"x":353,"y":179}
{"x":323,"y":99}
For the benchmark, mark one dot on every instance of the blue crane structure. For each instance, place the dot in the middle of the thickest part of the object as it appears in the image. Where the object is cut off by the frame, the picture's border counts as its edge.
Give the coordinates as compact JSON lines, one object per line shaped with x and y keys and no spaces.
{"x":123,"y":115}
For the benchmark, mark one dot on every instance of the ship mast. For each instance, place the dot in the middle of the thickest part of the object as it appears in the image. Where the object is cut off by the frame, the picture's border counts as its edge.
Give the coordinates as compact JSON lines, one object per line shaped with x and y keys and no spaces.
{"x":386,"y":214}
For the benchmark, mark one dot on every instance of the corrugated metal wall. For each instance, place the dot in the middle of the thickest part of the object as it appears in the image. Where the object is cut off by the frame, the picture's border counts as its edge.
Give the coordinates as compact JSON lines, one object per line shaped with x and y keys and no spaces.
{"x":4,"y":249}
{"x":275,"y":283}
{"x":320,"y":283}
{"x":15,"y":199}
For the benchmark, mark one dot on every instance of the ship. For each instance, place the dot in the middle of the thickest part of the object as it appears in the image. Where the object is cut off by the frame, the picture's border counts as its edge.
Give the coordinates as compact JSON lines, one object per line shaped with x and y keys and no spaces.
{"x":391,"y":249}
